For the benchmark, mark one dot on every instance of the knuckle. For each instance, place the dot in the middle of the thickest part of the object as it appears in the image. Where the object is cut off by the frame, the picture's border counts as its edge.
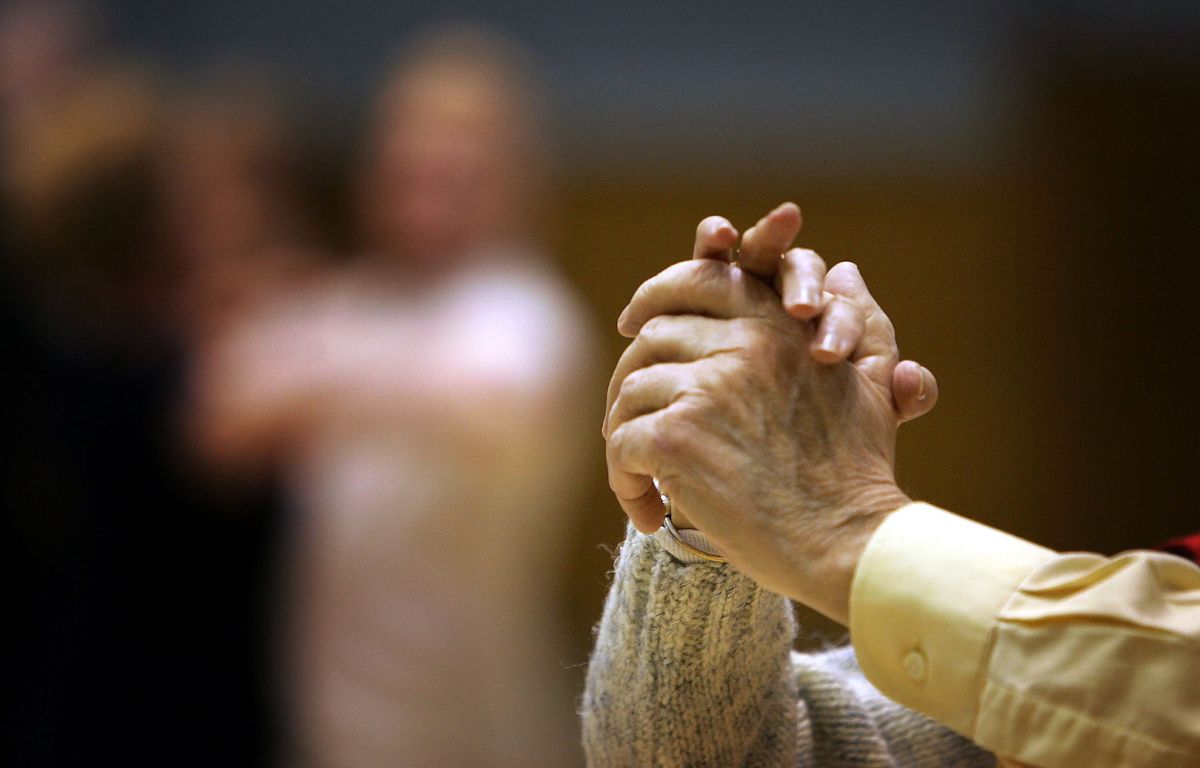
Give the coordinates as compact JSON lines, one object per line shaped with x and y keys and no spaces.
{"x":623,"y":484}
{"x":708,"y":270}
{"x":731,"y":379}
{"x":698,"y":399}
{"x":856,"y":316}
{"x":614,"y":447}
{"x":679,"y":284}
{"x":842,"y":303}
{"x":888,"y":326}
{"x":845,"y":312}
{"x":654,"y":329}
{"x":672,"y":435}
{"x":807,"y":259}
{"x":884,"y":323}
{"x":846,"y":272}
{"x":758,"y":345}
{"x":665,"y":437}
{"x":616,"y":482}
{"x":630,"y":384}
{"x":741,"y":331}
{"x":623,"y":444}
{"x":643,"y":291}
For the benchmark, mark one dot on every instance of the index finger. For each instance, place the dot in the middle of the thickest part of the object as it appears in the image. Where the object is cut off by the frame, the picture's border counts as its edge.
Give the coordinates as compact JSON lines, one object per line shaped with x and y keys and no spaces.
{"x":705,"y":287}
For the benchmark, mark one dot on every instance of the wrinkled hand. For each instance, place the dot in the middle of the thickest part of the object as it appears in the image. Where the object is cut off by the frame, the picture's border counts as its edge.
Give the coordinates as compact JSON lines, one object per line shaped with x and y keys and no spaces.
{"x":764,"y":439}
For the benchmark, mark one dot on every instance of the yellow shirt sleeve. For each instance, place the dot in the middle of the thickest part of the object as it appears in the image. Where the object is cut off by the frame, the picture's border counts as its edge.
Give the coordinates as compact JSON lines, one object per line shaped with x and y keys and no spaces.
{"x":1044,"y":658}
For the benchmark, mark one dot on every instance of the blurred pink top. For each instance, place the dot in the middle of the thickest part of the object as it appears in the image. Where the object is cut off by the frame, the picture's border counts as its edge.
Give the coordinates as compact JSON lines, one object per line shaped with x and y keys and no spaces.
{"x":433,"y":446}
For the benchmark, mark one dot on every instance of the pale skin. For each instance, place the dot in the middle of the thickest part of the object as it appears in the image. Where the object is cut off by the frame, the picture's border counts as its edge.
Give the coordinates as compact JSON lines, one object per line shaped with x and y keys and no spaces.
{"x":771,"y":424}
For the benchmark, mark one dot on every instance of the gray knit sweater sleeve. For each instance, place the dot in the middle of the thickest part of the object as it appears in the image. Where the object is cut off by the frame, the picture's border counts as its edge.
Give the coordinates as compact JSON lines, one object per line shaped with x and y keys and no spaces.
{"x":693,"y":666}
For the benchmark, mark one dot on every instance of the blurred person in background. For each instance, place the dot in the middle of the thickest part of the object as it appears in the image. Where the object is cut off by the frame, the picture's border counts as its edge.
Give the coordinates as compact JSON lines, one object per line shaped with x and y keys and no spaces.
{"x":423,"y":405}
{"x":237,"y":213}
{"x":45,"y":52}
{"x":137,"y":587}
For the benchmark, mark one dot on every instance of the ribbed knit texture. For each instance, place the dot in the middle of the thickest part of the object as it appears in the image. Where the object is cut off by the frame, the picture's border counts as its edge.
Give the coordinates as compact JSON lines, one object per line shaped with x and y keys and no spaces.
{"x":692,"y":667}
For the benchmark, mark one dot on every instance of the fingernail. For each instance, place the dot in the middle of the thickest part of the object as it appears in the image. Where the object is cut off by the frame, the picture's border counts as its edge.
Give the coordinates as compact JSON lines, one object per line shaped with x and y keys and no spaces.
{"x":921,"y":393}
{"x":832,"y":345}
{"x":808,"y":297}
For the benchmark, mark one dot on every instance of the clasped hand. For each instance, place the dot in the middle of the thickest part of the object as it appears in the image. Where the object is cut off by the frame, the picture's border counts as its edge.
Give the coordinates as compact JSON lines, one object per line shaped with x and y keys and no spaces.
{"x":764,"y":394}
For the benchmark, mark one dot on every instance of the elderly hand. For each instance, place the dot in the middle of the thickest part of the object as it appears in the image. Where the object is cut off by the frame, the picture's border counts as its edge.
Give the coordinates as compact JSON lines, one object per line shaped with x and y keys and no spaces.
{"x":763,"y":437}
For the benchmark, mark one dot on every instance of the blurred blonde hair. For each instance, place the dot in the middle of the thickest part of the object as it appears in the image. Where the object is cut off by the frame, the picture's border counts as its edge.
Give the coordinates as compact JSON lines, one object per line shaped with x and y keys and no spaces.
{"x":469,"y":77}
{"x":474,"y":52}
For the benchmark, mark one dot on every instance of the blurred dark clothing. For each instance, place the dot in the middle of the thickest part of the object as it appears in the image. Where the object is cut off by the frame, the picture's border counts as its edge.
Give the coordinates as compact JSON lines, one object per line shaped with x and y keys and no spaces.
{"x":1187,"y":547}
{"x":137,"y":598}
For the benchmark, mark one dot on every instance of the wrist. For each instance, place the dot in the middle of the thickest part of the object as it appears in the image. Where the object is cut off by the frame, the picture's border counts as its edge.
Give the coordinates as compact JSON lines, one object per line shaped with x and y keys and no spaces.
{"x":828,"y":573}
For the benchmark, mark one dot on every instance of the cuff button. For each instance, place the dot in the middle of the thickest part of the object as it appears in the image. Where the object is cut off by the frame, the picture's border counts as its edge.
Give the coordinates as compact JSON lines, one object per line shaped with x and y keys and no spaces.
{"x":915,"y":665}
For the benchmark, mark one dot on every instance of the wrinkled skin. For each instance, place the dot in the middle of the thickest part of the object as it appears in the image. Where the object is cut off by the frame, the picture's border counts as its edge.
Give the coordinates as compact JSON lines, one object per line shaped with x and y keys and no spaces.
{"x":776,"y":444}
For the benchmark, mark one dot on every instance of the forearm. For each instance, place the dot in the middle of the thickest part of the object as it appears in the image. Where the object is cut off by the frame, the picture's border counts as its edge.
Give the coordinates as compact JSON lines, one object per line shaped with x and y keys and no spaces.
{"x":690,"y":667}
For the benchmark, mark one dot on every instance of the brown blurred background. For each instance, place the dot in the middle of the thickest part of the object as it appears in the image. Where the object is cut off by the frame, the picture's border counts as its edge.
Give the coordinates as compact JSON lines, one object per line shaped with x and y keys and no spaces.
{"x":1046,"y":282}
{"x":1017,"y":183}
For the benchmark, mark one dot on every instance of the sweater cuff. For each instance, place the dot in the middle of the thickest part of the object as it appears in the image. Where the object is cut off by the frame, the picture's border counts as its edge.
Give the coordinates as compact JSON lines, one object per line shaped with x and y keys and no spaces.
{"x":690,"y":536}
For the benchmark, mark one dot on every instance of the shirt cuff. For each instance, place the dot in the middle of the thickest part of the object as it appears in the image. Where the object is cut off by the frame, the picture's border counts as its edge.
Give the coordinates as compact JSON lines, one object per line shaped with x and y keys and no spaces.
{"x":923,"y":608}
